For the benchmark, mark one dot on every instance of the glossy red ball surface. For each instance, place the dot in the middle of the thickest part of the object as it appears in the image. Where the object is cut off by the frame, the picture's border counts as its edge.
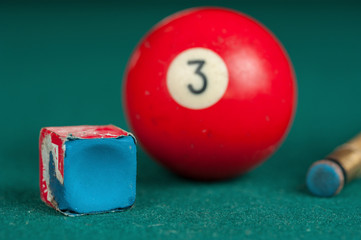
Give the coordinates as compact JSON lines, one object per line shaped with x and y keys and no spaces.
{"x":210,"y":93}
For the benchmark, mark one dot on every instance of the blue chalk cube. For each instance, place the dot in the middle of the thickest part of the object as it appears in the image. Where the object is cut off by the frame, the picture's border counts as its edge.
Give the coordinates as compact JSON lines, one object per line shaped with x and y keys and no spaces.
{"x":92,"y":175}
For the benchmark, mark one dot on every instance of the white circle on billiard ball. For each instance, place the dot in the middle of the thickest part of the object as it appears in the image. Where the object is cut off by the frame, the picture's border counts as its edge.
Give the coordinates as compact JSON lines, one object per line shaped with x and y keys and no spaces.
{"x":197,"y":78}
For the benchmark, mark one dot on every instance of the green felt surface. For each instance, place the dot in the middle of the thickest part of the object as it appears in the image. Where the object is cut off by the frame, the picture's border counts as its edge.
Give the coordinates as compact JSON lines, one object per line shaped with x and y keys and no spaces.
{"x":61,"y":63}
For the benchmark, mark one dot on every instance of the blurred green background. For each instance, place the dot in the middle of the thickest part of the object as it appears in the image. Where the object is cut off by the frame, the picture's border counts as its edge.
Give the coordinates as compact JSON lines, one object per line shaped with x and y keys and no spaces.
{"x":61,"y":63}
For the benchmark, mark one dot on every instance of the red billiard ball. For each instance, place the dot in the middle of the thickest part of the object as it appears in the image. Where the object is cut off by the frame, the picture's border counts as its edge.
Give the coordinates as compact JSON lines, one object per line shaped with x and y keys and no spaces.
{"x":210,"y":93}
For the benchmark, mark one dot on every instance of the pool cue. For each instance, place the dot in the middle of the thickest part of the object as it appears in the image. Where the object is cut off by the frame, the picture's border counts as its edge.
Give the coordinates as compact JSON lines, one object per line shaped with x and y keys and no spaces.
{"x":327,"y":177}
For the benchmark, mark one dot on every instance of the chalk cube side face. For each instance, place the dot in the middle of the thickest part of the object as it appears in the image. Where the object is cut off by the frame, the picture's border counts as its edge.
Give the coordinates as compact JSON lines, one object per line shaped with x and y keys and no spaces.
{"x":87,"y":169}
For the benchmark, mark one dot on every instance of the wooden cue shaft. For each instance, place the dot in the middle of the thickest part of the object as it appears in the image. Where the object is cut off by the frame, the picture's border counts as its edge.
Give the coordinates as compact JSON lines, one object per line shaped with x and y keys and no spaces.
{"x":348,"y":156}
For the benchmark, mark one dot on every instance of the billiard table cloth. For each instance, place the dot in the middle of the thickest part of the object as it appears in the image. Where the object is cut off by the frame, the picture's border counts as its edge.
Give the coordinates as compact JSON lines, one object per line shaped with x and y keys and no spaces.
{"x":62,"y":62}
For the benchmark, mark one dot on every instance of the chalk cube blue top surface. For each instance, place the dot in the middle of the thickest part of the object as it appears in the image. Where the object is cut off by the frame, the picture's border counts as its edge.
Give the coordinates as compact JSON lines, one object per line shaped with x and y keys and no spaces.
{"x":88,"y":174}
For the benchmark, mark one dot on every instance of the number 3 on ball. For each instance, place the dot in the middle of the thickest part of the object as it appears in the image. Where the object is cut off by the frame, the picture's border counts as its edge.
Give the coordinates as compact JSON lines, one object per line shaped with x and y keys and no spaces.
{"x":197,"y":78}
